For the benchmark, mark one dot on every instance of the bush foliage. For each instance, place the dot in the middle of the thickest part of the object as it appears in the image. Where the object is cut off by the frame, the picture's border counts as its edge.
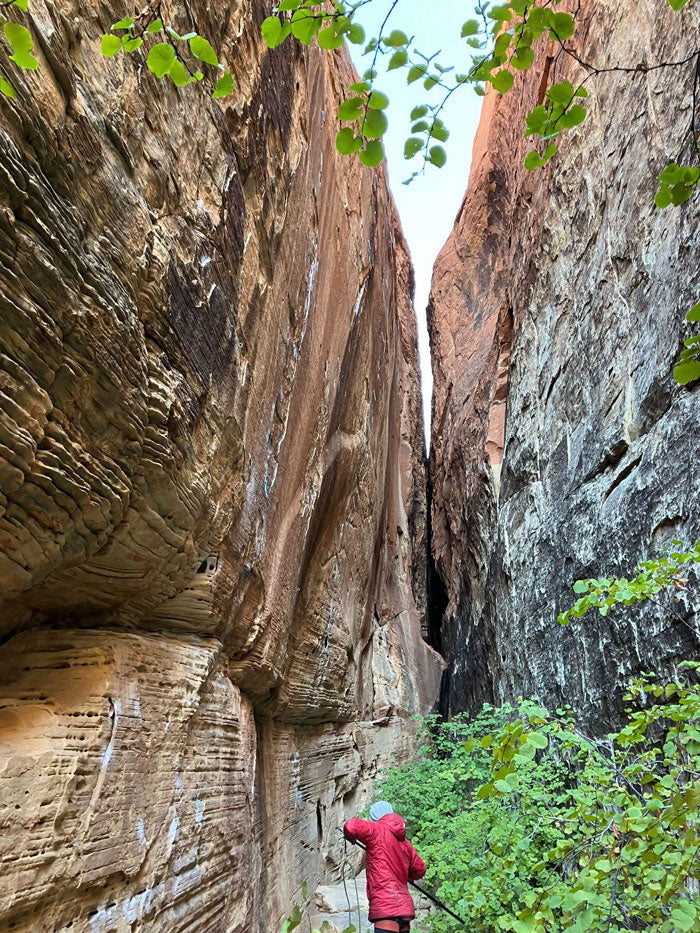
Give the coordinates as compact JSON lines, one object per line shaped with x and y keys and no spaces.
{"x":527,"y":824}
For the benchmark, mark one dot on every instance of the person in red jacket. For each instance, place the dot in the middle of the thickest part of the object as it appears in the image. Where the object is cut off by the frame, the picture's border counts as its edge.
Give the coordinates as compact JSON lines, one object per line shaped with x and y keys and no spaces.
{"x":391,"y":863}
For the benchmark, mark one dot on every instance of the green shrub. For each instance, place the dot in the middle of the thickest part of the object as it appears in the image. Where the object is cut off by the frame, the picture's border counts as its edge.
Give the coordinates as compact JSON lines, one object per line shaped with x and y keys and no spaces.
{"x":528,"y":825}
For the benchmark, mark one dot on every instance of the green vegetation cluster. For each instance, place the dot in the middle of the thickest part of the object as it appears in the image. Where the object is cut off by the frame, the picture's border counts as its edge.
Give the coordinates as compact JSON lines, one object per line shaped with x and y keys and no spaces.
{"x":528,"y":825}
{"x":180,"y":57}
{"x":667,"y":575}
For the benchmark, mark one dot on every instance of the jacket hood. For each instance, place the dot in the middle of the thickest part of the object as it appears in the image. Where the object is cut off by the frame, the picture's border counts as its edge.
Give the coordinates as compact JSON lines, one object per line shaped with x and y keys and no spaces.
{"x":396,"y":824}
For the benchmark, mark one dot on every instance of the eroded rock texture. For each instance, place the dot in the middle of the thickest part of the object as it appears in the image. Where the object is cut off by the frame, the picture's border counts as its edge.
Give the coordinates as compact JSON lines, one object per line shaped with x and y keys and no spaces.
{"x":561,"y":446}
{"x":211,"y":485}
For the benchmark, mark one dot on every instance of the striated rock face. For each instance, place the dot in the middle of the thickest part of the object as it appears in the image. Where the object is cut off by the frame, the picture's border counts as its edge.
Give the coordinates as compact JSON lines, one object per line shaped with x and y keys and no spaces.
{"x":561,"y":446}
{"x":212,"y":514}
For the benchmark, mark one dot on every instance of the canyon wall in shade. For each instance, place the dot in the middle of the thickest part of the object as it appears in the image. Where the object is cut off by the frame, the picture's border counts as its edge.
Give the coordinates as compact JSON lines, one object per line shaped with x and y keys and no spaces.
{"x":561,"y":446}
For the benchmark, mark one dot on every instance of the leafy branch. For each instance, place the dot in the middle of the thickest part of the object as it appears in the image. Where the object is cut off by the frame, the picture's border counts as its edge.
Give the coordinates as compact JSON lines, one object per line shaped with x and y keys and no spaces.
{"x":501,"y":37}
{"x":166,"y":57}
{"x":651,"y":577}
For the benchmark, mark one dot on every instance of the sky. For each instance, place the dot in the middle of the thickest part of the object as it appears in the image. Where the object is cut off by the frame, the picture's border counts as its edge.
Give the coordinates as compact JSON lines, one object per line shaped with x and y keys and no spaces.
{"x":428,"y":206}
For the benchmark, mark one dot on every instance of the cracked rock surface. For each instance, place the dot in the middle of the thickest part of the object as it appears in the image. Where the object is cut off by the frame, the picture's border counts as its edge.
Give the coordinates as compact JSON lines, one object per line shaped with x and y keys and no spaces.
{"x":562,"y":448}
{"x":212,"y":509}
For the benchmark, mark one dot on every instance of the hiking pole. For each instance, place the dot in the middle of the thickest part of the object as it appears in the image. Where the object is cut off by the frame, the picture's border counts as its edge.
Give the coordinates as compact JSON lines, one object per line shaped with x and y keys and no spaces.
{"x":426,"y":894}
{"x":439,"y":903}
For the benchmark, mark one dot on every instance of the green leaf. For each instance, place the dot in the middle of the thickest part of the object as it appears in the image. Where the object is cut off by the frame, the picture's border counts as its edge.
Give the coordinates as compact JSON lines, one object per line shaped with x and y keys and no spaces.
{"x":19,"y":37}
{"x":680,"y":193}
{"x":160,"y":59}
{"x":536,"y":121}
{"x":686,"y":372}
{"x":378,"y":101}
{"x":663,"y":198}
{"x":25,"y":60}
{"x":562,"y":25}
{"x":439,"y":131}
{"x":22,"y":5}
{"x":561,"y":93}
{"x":372,"y":154}
{"x":694,"y":314}
{"x":397,"y":60}
{"x":125,"y":23}
{"x":201,"y":48}
{"x":155,"y":26}
{"x":415,"y":73}
{"x":395,"y":39}
{"x":131,"y":44}
{"x":305,"y":26}
{"x":346,"y":142}
{"x":412,"y":147}
{"x":376,"y":124}
{"x":289,"y":5}
{"x":684,"y":916}
{"x":179,"y":74}
{"x":356,"y":34}
{"x":224,"y":86}
{"x":272,"y":32}
{"x":671,"y":174}
{"x":526,"y":925}
{"x":501,"y":14}
{"x":574,"y":116}
{"x":351,"y":108}
{"x":502,"y":81}
{"x":470,"y":28}
{"x":7,"y":89}
{"x":437,"y":156}
{"x":501,"y":46}
{"x":538,"y":740}
{"x":523,"y":58}
{"x":111,"y":45}
{"x":329,"y":39}
{"x":419,"y":111}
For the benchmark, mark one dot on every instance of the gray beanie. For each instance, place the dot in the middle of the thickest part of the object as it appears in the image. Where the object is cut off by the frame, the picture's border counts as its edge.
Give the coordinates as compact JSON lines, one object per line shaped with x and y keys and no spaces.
{"x":379,"y":809}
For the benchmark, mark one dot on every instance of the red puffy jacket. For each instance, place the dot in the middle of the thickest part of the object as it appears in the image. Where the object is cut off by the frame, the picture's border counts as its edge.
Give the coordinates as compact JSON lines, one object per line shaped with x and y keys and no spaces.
{"x":391,"y":863}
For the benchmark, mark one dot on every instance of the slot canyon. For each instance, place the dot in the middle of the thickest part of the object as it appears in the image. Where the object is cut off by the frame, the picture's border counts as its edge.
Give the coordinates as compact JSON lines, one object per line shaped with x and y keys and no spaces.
{"x":230,"y":577}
